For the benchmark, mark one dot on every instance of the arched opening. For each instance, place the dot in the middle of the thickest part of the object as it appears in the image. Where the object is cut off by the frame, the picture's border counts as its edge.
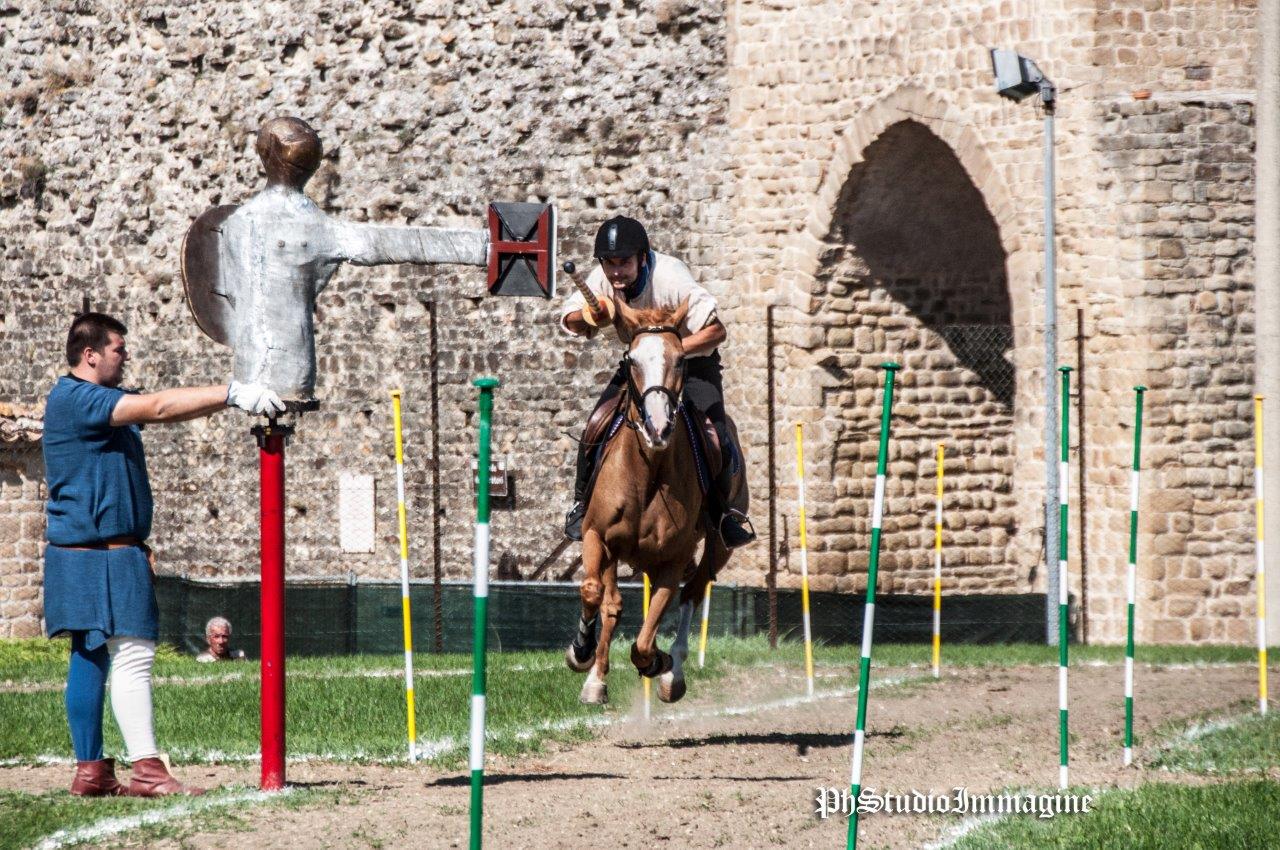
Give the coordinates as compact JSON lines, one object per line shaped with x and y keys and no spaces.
{"x":915,"y":271}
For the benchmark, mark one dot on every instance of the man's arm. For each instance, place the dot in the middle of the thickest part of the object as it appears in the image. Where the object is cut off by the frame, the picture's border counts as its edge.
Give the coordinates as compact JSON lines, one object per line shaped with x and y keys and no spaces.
{"x":176,"y":405}
{"x":576,"y":322}
{"x":705,"y":340}
{"x":578,"y":325}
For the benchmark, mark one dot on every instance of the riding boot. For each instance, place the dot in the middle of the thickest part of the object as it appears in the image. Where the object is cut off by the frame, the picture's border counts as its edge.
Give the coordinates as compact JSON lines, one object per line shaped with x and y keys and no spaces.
{"x":151,"y":778}
{"x":733,"y":525}
{"x":573,"y":521}
{"x":96,"y":779}
{"x":586,"y":466}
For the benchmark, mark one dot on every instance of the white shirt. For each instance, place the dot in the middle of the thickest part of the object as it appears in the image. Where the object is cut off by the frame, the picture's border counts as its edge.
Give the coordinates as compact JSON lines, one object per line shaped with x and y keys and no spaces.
{"x":207,"y":656}
{"x":669,"y":284}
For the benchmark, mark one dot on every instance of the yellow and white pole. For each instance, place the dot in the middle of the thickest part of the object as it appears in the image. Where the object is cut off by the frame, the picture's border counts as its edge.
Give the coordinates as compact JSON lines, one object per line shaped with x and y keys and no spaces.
{"x":937,"y":573}
{"x":706,"y":614}
{"x":648,"y":683}
{"x":404,"y":580}
{"x":804,"y":560}
{"x":1261,"y":570}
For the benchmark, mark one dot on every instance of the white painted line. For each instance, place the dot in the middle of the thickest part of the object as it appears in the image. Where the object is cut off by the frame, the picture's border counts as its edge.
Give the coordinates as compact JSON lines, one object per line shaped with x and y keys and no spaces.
{"x":107,"y":827}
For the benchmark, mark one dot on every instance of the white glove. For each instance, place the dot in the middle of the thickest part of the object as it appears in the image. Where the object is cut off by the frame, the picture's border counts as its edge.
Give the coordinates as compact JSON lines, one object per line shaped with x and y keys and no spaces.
{"x":254,"y":398}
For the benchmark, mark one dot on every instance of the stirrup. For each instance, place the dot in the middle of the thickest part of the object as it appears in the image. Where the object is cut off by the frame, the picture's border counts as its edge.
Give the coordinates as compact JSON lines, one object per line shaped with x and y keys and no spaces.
{"x":573,"y":521}
{"x":741,"y":530}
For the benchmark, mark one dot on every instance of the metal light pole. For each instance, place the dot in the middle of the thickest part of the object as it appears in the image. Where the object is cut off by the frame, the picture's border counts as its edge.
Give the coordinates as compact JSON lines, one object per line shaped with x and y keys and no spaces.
{"x":1017,"y":77}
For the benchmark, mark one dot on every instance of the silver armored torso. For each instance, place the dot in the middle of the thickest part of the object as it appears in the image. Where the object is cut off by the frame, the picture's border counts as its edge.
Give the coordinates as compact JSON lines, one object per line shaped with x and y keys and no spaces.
{"x":277,"y":252}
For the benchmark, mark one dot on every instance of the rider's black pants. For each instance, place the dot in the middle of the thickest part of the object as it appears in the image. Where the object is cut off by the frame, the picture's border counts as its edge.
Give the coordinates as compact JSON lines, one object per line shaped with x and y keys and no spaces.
{"x":702,"y":389}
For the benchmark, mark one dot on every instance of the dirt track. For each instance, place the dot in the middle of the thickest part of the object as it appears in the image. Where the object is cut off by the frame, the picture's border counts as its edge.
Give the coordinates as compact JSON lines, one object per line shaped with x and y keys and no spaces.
{"x":746,"y":780}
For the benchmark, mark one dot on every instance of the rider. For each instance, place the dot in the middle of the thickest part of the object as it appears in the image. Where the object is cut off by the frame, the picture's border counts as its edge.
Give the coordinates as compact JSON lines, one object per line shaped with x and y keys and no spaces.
{"x":629,"y":269}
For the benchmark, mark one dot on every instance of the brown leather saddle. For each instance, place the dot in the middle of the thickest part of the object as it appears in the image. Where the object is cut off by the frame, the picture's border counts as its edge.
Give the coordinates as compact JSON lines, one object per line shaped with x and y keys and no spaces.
{"x":597,"y":432}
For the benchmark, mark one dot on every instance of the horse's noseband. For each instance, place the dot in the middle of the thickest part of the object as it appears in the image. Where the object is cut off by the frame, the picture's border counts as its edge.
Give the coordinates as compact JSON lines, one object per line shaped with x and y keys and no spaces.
{"x":634,"y":391}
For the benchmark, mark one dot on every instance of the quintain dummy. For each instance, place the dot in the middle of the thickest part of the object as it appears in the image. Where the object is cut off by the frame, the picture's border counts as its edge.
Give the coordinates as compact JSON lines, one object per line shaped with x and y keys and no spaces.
{"x":252,"y":273}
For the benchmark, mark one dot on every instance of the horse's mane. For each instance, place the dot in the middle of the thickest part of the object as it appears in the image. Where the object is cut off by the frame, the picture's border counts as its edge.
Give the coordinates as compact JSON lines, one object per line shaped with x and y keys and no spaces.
{"x":654,"y":316}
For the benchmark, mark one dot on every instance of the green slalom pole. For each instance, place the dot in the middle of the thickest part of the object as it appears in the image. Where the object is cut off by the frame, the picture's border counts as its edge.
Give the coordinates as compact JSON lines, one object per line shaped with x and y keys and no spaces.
{"x":1133,"y":577}
{"x":480,"y":632}
{"x":869,"y":612}
{"x":1063,"y":475}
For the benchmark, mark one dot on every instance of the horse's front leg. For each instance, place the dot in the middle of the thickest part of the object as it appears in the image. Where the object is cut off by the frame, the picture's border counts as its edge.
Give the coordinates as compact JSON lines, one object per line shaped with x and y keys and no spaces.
{"x":581,"y":654}
{"x":671,"y":685}
{"x":584,"y":653}
{"x":650,"y":660}
{"x":595,"y":691}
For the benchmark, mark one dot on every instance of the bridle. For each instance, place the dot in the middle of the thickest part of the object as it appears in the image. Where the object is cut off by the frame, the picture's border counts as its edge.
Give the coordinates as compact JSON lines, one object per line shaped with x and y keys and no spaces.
{"x":634,"y":393}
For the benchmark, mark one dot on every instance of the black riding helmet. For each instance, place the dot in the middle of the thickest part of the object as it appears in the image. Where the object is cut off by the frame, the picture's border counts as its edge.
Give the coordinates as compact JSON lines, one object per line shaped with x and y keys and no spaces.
{"x":621,"y":237}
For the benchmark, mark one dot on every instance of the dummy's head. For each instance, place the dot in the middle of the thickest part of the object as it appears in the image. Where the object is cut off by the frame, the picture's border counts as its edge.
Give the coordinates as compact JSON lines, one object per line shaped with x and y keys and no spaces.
{"x":290,"y":151}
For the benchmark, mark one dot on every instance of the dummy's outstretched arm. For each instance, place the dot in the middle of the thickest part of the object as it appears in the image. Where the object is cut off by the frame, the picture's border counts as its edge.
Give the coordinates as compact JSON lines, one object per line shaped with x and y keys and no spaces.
{"x":375,"y":245}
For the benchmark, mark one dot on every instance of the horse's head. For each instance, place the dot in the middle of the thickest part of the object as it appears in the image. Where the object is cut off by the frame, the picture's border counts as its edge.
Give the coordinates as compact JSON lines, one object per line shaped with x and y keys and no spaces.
{"x":655,"y":367}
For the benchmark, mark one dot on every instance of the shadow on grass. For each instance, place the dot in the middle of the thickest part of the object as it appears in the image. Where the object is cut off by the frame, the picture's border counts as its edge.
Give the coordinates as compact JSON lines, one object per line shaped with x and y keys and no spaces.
{"x":502,"y":778}
{"x":802,"y":741}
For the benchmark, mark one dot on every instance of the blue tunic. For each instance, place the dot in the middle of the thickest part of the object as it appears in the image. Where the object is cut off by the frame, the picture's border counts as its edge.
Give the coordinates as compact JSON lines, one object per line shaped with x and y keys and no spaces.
{"x":98,"y":490}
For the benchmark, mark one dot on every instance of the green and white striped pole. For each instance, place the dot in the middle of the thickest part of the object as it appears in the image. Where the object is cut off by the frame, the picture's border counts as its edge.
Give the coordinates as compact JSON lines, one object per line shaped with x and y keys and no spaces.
{"x":869,"y":612}
{"x":1063,"y":476}
{"x":1133,"y":576}
{"x":481,"y":627}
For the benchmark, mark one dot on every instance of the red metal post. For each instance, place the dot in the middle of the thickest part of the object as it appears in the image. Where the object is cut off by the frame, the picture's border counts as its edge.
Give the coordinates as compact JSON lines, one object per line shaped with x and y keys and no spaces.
{"x":271,"y":441}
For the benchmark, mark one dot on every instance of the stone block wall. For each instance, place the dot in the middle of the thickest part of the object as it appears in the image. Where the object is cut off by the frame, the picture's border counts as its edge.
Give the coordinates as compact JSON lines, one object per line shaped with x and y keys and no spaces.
{"x":121,"y":124}
{"x":1186,"y":168}
{"x":812,"y":99}
{"x":844,"y":161}
{"x":21,"y":538}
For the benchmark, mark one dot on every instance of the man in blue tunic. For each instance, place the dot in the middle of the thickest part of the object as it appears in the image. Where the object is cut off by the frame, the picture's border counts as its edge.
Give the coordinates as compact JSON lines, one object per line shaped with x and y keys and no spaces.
{"x":98,"y":574}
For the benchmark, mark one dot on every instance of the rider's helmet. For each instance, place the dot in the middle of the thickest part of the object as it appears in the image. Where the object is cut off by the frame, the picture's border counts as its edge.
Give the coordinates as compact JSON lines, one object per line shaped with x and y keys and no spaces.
{"x":621,"y":237}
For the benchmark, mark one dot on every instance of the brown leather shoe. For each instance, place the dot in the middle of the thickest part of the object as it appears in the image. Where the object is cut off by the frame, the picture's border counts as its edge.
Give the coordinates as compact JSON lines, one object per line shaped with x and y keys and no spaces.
{"x":96,"y":779}
{"x":151,"y":778}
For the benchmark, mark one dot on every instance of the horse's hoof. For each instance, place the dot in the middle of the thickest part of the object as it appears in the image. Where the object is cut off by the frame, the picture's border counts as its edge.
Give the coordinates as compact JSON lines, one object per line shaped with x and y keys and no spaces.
{"x":659,"y":664}
{"x":670,"y":689}
{"x":571,"y":658}
{"x":594,"y":692}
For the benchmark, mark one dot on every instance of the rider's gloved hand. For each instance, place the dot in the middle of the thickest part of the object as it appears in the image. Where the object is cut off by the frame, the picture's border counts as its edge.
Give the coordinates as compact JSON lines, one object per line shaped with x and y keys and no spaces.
{"x":602,"y":317}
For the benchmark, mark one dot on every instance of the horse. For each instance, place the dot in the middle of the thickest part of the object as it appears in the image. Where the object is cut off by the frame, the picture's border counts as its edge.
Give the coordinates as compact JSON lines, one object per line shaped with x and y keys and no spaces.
{"x":646,"y":510}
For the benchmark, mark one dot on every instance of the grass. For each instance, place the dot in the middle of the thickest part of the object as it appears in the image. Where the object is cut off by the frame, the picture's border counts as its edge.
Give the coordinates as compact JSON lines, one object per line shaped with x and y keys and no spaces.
{"x":1153,"y":817}
{"x":340,"y":713}
{"x":1245,"y":744}
{"x":351,"y":708}
{"x":31,"y":818}
{"x":347,"y":708}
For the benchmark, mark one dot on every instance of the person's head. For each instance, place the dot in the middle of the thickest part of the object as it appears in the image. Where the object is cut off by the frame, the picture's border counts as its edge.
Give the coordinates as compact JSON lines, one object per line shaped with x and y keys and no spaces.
{"x":622,"y":247}
{"x":217,"y":633}
{"x":290,"y":151}
{"x":96,"y":350}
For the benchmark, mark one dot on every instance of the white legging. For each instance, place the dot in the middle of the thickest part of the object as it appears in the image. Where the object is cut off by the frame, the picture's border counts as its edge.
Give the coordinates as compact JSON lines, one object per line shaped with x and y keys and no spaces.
{"x":131,"y":660}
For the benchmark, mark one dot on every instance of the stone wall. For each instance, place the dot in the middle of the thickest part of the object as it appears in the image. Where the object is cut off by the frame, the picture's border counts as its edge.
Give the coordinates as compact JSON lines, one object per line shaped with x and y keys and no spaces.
{"x":121,"y":124}
{"x":812,"y":100}
{"x":1184,"y":175}
{"x":21,"y":536}
{"x":846,"y":162}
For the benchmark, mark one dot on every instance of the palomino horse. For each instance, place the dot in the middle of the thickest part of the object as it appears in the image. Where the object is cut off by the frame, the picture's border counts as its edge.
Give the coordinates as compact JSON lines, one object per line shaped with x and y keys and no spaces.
{"x":646,"y":510}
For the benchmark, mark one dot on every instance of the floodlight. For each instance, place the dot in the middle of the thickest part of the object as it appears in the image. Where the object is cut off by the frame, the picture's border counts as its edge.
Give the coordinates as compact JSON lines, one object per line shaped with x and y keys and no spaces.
{"x":1017,"y":76}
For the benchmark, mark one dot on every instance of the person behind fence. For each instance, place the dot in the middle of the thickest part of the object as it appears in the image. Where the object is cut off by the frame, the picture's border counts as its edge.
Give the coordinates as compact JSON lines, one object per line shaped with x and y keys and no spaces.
{"x":631,"y":270}
{"x":98,"y":569}
{"x":217,"y":635}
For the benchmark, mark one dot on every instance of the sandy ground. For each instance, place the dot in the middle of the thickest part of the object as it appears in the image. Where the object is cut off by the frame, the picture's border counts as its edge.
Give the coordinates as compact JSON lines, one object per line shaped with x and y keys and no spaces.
{"x":714,"y":777}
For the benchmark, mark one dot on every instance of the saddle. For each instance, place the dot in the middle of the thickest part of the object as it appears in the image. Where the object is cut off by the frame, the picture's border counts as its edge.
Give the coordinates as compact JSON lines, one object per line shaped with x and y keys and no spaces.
{"x":604,"y":420}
